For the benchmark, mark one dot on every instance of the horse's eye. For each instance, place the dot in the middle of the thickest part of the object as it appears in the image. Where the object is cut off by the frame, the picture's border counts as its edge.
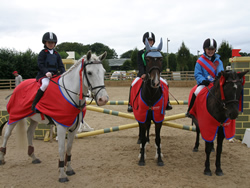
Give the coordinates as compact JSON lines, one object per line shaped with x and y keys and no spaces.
{"x":89,"y":73}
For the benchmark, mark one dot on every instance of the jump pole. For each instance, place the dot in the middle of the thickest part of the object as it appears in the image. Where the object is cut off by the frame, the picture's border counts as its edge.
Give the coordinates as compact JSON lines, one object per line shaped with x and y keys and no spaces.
{"x":130,"y":116}
{"x":107,"y":130}
{"x":179,"y":126}
{"x":129,"y":126}
{"x":126,"y":102}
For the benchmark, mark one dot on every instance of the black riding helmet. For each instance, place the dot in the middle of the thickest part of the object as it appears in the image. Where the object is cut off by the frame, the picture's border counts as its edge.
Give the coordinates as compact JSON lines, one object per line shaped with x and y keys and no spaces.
{"x":148,"y":35}
{"x":49,"y":36}
{"x":209,"y":43}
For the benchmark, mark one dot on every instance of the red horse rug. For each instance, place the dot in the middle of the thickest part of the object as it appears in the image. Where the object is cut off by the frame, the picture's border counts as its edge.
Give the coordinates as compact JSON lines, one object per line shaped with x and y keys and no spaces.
{"x":208,"y":124}
{"x":53,"y":103}
{"x":141,"y":109}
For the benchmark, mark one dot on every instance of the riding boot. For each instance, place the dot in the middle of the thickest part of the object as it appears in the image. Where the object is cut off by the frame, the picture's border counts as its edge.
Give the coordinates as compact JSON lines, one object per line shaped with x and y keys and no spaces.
{"x":191,"y":103}
{"x":169,"y":106}
{"x":130,"y":109}
{"x":38,"y":96}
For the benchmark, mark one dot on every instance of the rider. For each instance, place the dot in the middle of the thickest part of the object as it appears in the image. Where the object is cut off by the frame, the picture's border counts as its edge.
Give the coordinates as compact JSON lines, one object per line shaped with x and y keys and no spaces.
{"x":207,"y":68}
{"x":142,"y":64}
{"x":49,"y":63}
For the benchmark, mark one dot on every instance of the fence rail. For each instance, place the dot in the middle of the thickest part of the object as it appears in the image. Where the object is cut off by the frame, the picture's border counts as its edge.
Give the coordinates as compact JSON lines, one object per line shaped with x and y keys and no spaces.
{"x":182,"y":75}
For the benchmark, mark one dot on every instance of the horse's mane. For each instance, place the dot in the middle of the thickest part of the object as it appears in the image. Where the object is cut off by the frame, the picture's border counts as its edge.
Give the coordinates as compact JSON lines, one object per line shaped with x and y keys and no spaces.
{"x":94,"y":57}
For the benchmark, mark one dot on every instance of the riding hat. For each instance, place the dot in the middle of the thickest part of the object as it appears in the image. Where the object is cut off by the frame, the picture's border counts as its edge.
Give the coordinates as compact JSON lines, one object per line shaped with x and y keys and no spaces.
{"x":148,"y":35}
{"x":209,"y":43}
{"x":50,"y":37}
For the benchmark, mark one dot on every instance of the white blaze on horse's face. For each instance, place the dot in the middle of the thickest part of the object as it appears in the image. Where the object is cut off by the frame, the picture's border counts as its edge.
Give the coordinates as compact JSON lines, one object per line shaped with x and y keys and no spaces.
{"x":95,"y":73}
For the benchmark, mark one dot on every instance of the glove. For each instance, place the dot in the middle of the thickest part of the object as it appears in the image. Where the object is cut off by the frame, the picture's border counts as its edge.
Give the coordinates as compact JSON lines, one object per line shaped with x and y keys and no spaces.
{"x":48,"y":74}
{"x":205,"y":82}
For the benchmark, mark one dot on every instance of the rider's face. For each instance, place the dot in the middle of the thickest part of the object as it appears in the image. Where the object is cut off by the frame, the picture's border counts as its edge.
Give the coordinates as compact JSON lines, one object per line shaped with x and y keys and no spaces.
{"x":50,"y":44}
{"x":210,"y":51}
{"x":151,"y":42}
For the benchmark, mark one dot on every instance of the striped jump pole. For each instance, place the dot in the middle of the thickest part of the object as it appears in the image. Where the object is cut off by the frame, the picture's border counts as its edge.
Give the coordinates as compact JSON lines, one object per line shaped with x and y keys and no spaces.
{"x":179,"y":126}
{"x":107,"y":130}
{"x":129,"y":126}
{"x":130,"y":116}
{"x":126,"y":102}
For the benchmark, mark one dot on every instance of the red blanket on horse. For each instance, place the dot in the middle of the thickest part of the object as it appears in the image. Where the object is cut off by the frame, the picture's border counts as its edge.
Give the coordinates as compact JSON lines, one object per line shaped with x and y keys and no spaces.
{"x":140,"y":108}
{"x":53,"y":103}
{"x":207,"y":124}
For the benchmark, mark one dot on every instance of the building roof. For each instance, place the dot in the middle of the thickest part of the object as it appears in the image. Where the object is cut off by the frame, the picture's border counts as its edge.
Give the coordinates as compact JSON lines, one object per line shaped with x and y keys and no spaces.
{"x":117,"y":62}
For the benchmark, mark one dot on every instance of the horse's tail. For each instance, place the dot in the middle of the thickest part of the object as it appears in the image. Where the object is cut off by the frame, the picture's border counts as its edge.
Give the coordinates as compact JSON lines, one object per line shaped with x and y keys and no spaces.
{"x":21,"y":132}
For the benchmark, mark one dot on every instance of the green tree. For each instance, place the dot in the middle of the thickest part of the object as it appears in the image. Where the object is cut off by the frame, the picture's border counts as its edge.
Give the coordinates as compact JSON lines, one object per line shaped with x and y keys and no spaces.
{"x":106,"y":66}
{"x":134,"y":55}
{"x":172,"y":62}
{"x":183,"y":58}
{"x":225,"y":52}
{"x":126,"y":65}
{"x":127,"y":54}
{"x":99,"y":48}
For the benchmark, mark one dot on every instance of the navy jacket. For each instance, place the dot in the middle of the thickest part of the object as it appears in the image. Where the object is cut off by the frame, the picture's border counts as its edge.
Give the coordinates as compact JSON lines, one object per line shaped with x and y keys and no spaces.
{"x":49,"y":63}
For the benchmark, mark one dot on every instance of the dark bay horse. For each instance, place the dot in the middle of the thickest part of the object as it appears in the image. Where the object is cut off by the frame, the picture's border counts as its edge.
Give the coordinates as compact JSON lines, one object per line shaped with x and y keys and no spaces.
{"x":221,"y":101}
{"x":152,"y":98}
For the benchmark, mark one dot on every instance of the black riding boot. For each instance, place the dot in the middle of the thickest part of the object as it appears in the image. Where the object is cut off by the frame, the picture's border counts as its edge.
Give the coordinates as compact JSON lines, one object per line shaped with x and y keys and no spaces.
{"x":169,"y":106}
{"x":191,"y":103}
{"x":39,"y":95}
{"x":130,"y":109}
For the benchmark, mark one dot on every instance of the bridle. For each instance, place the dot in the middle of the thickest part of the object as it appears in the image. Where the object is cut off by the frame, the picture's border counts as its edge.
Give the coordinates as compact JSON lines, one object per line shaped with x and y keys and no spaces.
{"x":81,"y":95}
{"x":222,"y":100}
{"x":91,"y":88}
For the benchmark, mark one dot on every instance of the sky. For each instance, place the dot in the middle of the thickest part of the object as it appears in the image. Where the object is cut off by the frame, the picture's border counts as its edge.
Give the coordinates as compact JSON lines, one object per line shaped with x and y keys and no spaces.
{"x":120,"y":24}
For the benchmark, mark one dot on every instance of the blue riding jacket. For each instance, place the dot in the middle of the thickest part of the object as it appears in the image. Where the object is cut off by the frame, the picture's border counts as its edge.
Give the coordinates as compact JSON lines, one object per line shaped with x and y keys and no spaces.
{"x":201,"y":74}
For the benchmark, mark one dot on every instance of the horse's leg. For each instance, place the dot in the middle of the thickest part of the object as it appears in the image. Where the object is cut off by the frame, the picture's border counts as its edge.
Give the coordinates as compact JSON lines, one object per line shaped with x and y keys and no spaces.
{"x":147,"y":137}
{"x":220,"y":138}
{"x":70,"y":138}
{"x":30,"y":134}
{"x":61,"y":133}
{"x":7,"y":134}
{"x":142,"y":154}
{"x":139,"y":139}
{"x":197,"y":142}
{"x":158,"y":155}
{"x":208,"y":147}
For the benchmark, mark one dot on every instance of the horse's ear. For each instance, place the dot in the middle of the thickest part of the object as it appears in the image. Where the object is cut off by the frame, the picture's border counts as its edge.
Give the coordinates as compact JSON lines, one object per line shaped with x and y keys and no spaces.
{"x":241,"y":74}
{"x":103,"y":56}
{"x":148,"y":48}
{"x":160,"y":46}
{"x":89,"y":55}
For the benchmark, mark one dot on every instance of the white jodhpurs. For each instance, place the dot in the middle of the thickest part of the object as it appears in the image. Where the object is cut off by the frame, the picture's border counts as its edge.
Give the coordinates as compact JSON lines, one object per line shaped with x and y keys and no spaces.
{"x":45,"y":84}
{"x":198,"y":89}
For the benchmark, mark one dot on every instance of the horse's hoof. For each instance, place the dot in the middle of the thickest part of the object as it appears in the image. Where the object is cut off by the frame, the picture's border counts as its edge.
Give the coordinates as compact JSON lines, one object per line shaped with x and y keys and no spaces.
{"x":195,"y":150}
{"x":2,"y":162}
{"x":36,"y":161}
{"x":208,"y":173}
{"x":63,"y":180}
{"x":160,"y":163}
{"x":70,"y":173}
{"x":141,"y":163}
{"x":219,"y":173}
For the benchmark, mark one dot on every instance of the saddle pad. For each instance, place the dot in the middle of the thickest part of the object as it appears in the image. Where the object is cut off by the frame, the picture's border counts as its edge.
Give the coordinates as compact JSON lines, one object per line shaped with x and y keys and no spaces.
{"x":53,"y":103}
{"x":140,"y":108}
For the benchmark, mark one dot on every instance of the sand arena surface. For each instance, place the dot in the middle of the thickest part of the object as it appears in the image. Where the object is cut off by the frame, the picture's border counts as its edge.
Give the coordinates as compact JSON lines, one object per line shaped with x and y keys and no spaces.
{"x":110,"y":160}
